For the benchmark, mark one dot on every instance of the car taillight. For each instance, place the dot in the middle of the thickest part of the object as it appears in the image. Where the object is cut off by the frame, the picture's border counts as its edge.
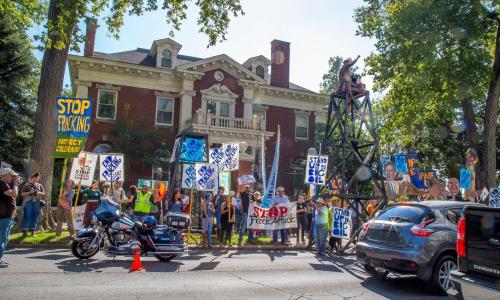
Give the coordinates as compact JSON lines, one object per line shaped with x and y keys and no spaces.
{"x":461,"y":237}
{"x":420,"y":230}
{"x":366,"y":225}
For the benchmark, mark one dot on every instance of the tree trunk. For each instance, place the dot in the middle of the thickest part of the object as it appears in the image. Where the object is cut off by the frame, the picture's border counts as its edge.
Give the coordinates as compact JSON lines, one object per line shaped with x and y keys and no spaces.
{"x":472,"y":136}
{"x":51,"y":83}
{"x":489,"y":159}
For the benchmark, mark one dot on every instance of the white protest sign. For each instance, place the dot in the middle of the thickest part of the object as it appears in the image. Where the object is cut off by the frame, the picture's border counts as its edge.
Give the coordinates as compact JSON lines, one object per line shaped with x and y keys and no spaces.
{"x":216,"y":156}
{"x":280,"y":217}
{"x":83,"y":168}
{"x":341,"y":227}
{"x":316,"y":169}
{"x":188,"y":176}
{"x":79,"y":214}
{"x":494,"y":197}
{"x":206,"y":177}
{"x":246,"y":179}
{"x":111,"y":167}
{"x":225,"y":181}
{"x":231,"y":156}
{"x":484,"y":193}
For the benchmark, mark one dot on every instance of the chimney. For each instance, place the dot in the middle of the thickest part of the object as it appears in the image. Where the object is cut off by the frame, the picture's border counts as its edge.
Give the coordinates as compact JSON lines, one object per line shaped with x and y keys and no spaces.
{"x":88,"y":50}
{"x":280,"y":63}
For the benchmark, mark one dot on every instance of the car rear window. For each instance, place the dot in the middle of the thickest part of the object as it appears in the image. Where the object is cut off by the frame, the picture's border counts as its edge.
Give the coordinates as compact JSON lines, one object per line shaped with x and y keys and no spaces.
{"x":404,"y":214}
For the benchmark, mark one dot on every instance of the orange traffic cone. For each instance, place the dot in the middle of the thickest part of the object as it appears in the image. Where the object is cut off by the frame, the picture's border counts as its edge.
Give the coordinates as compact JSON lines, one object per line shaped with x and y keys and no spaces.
{"x":136,"y":264}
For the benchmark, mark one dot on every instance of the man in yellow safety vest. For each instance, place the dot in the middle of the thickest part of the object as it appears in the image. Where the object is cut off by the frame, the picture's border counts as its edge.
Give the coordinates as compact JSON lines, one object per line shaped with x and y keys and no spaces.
{"x":144,"y":202}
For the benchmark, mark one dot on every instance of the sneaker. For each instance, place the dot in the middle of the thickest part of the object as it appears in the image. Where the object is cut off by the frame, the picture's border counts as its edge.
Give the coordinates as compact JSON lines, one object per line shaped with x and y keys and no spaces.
{"x":239,"y":243}
{"x":4,"y":264}
{"x":275,"y":243}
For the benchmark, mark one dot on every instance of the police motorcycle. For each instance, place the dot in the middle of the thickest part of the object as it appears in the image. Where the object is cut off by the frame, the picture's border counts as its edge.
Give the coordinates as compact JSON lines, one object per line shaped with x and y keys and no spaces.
{"x":119,"y":235}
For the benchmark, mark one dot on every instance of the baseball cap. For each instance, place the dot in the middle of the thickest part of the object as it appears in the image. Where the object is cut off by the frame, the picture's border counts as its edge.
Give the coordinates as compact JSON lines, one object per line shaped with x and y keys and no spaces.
{"x":146,"y":183}
{"x":7,"y":171}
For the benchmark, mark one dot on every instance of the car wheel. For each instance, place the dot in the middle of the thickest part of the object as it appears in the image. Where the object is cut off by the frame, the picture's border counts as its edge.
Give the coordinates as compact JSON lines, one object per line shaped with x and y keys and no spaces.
{"x":441,"y":278}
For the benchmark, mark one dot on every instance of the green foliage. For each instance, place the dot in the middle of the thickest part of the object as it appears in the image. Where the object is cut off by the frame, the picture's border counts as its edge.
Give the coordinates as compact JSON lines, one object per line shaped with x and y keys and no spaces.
{"x":24,"y":13}
{"x":431,"y":56}
{"x":18,"y":84}
{"x":213,"y":18}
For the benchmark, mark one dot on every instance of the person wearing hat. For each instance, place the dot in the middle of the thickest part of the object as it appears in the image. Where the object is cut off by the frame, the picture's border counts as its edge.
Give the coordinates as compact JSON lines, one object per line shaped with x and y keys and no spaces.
{"x":32,"y":192}
{"x":144,"y":202}
{"x":9,"y":181}
{"x":280,"y":200}
{"x":321,"y":217}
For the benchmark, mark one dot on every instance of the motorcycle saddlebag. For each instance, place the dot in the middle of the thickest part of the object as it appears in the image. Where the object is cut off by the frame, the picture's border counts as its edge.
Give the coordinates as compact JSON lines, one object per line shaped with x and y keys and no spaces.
{"x":178,"y":220}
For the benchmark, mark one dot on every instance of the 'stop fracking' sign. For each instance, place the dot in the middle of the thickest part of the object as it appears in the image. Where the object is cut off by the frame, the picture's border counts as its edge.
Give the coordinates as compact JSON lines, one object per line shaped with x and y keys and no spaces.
{"x":73,"y":125}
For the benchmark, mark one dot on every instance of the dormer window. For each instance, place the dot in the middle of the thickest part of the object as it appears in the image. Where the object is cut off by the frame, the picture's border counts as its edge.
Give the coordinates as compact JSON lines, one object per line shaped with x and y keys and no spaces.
{"x":166,"y":59}
{"x":260,"y":71}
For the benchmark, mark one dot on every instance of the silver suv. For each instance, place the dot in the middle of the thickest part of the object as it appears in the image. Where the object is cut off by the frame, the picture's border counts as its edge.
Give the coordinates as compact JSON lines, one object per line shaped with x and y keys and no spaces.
{"x":413,"y":238}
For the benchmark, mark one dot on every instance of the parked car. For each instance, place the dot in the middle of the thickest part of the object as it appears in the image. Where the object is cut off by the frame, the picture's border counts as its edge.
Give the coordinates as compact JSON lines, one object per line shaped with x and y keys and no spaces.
{"x":415,"y":238}
{"x":478,"y":248}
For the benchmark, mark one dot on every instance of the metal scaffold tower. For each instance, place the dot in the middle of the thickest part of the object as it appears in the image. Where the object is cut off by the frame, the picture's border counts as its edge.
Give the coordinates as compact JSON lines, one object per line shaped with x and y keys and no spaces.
{"x":351,"y":144}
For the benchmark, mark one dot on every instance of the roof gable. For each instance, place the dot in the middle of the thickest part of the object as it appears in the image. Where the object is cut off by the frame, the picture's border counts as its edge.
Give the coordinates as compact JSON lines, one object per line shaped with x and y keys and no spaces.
{"x":223,"y":62}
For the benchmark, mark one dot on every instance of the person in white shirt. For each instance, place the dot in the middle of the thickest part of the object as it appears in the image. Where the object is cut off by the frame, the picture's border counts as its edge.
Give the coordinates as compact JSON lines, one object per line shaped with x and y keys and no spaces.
{"x":280,"y":200}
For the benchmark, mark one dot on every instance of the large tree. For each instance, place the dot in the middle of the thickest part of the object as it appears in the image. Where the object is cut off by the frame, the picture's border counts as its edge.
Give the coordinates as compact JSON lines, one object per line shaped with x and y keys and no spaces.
{"x":18,"y":81}
{"x":62,"y":31}
{"x":437,"y":61}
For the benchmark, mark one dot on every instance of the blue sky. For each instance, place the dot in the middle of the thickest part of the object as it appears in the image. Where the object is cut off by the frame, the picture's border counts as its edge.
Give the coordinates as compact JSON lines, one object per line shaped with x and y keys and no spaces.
{"x":316,"y":29}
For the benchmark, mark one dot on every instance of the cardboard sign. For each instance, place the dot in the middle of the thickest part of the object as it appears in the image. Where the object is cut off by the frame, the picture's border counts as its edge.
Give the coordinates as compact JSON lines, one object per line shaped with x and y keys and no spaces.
{"x":411,"y":161}
{"x":494,"y":197}
{"x":421,"y":179}
{"x":340,"y":226}
{"x":216,"y":156}
{"x":111,"y":167}
{"x":316,"y":169}
{"x":225,"y":181}
{"x":83,"y":168}
{"x":188,"y":176}
{"x":280,"y":217}
{"x":79,"y":214}
{"x":246,"y":179}
{"x":231,"y":157}
{"x":400,"y":162}
{"x":465,"y":179}
{"x":484,"y":194}
{"x":73,"y":125}
{"x":206,"y":177}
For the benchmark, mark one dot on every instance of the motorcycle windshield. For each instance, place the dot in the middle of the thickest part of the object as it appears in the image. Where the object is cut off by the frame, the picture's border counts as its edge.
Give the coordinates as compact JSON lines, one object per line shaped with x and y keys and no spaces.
{"x":107,"y":207}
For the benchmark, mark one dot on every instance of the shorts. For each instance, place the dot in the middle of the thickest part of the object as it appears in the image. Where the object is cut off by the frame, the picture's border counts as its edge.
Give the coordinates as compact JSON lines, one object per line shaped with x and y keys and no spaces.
{"x":205,"y":222}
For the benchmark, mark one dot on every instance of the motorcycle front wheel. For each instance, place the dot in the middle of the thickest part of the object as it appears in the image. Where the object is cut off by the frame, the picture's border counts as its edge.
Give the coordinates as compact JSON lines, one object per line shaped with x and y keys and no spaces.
{"x":165,"y":257}
{"x":80,"y":249}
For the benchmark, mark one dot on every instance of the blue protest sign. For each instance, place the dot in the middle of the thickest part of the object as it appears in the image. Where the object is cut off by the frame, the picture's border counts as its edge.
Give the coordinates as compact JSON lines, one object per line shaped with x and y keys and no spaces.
{"x":316,"y":169}
{"x":111,"y":167}
{"x":421,"y":179}
{"x":193,"y":149}
{"x":341,"y":218}
{"x":231,"y":156}
{"x":411,"y":163}
{"x":400,"y":161}
{"x":494,"y":197}
{"x":206,"y":177}
{"x":465,"y":179}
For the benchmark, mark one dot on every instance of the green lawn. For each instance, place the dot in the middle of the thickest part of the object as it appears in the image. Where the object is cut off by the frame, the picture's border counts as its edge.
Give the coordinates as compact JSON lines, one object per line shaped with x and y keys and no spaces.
{"x":44,"y":238}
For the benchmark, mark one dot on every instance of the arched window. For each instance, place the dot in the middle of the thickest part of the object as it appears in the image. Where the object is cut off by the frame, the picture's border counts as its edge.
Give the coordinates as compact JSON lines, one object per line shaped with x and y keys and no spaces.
{"x":260,"y":71}
{"x":102,"y":148}
{"x":166,"y":58}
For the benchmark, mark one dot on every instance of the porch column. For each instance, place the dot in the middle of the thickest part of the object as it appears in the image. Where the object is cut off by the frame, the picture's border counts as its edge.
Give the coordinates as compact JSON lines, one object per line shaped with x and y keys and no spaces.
{"x":185,"y":110}
{"x":82,"y":89}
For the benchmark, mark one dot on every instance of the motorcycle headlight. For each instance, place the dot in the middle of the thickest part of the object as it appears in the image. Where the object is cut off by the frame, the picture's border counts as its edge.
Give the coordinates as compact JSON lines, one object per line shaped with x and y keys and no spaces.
{"x":94,"y":220}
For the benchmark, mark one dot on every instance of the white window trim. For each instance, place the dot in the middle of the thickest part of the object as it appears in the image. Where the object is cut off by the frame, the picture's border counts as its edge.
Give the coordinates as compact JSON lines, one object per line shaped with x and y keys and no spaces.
{"x":307,"y":123}
{"x":99,"y":102}
{"x":171,"y":58}
{"x":156,"y":111}
{"x":264,"y":111}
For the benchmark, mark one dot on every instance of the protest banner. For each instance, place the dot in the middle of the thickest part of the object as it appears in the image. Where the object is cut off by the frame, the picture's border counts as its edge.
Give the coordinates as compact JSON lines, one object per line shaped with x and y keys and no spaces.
{"x":225,"y":181}
{"x":73,"y":125}
{"x":193,"y":149}
{"x":216,"y":156}
{"x":341,"y":227}
{"x":316,"y":169}
{"x":421,"y":179}
{"x":83,"y":168}
{"x":231,"y":157}
{"x":334,"y":186}
{"x":280,"y":217}
{"x":111,"y":167}
{"x":494,"y":197}
{"x":400,"y":162}
{"x":484,"y":194}
{"x":206,"y":177}
{"x":188,"y":176}
{"x":78,"y":215}
{"x":411,"y":163}
{"x":246,"y":179}
{"x":465,"y":179}
{"x":270,"y":189}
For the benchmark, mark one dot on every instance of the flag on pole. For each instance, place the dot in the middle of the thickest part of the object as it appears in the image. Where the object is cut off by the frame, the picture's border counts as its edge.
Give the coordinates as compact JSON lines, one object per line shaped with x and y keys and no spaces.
{"x":271,"y":185}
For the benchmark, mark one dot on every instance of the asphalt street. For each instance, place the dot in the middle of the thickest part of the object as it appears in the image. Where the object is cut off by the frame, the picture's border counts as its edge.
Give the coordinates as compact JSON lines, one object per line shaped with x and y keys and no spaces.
{"x":56,"y":274}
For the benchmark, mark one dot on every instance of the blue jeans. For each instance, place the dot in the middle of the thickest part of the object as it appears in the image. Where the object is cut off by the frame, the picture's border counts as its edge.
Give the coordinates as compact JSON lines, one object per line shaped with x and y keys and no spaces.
{"x":31,"y":212}
{"x":5,"y":226}
{"x":283,"y":235}
{"x":243,"y":228}
{"x":209,"y":234}
{"x":321,"y":236}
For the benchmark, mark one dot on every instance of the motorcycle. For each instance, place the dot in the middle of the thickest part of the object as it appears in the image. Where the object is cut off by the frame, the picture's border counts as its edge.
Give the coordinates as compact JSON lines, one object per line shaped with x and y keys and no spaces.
{"x":119,"y":235}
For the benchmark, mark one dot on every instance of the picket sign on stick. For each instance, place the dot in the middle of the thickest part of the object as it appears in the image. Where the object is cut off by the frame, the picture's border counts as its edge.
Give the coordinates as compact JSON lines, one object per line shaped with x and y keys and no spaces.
{"x":63,"y":176}
{"x":79,"y":184}
{"x":190,"y":212}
